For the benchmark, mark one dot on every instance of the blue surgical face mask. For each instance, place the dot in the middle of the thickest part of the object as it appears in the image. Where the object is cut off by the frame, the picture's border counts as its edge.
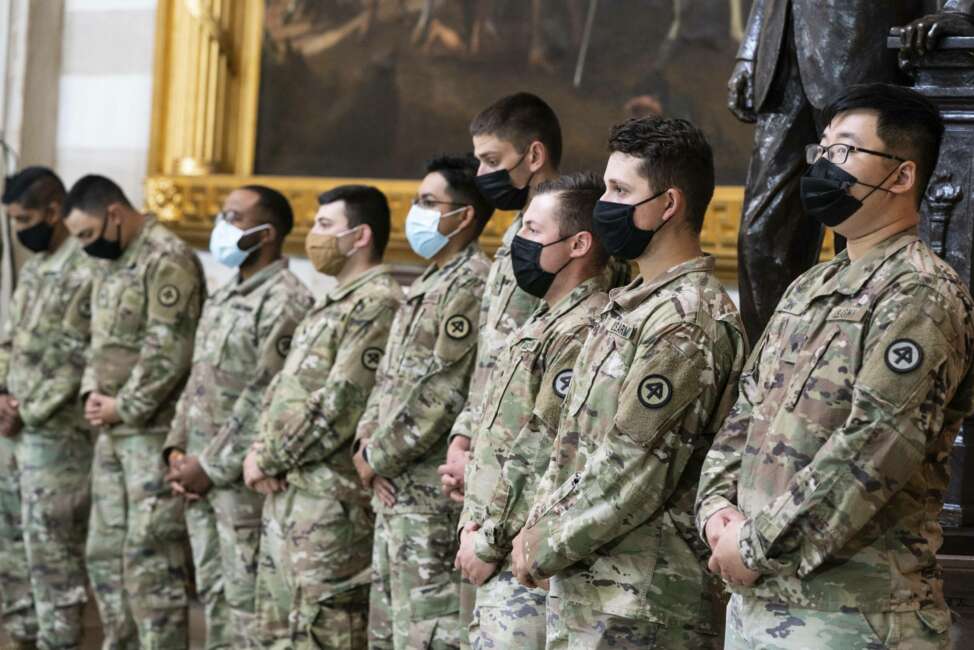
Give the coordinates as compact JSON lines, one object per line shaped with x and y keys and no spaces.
{"x":422,"y":230}
{"x":225,"y":243}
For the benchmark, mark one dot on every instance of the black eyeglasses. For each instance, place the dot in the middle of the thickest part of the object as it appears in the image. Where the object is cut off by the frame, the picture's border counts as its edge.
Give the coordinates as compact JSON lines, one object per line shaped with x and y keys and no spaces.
{"x":432,"y":203}
{"x":839,"y":152}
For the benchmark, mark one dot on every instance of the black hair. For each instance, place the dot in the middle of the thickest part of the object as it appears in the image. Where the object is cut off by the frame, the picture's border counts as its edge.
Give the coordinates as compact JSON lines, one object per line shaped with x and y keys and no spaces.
{"x":521,"y":118}
{"x":93,"y":194}
{"x":674,"y":153}
{"x":275,"y":208}
{"x":460,"y":173}
{"x":33,"y":188}
{"x":577,"y":195}
{"x":364,"y":205}
{"x":908,"y":123}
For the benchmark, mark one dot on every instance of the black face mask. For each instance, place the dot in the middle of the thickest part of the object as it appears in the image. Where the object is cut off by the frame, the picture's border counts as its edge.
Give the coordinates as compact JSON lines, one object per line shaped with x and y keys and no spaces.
{"x":615,"y":228}
{"x":825,"y":194}
{"x":498,"y":189}
{"x":103,"y":248}
{"x":37,"y":238}
{"x":526,"y":259}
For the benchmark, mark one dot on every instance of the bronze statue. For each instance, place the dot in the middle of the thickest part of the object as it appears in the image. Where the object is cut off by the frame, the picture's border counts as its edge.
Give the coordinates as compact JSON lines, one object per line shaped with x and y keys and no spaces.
{"x":795,"y":55}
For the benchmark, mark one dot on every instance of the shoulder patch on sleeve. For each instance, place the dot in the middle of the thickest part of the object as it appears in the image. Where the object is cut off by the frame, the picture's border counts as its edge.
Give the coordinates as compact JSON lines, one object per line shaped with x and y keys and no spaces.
{"x":168,"y":295}
{"x":371,"y":358}
{"x":561,"y":383}
{"x":283,"y":345}
{"x":904,"y":356}
{"x":458,"y":327}
{"x":655,"y":391}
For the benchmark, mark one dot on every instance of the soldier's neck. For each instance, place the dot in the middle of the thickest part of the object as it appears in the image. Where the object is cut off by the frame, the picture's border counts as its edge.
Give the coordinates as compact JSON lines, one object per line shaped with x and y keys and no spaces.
{"x":58,"y":237}
{"x":666,"y":251}
{"x":859,"y":246}
{"x":356,"y":265}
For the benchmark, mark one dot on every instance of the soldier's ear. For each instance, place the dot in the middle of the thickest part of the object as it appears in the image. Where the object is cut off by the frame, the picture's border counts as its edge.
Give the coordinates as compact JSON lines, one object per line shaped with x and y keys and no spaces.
{"x":905,"y":178}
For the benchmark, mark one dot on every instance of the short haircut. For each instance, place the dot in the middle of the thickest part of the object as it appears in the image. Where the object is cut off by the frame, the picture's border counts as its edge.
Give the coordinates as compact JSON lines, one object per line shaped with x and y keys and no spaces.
{"x":674,"y":153}
{"x":274,"y":207}
{"x":577,"y":195}
{"x":92,"y":194}
{"x":908,"y":123}
{"x":520,"y":119}
{"x":460,"y":173}
{"x":364,"y":205}
{"x":33,"y":188}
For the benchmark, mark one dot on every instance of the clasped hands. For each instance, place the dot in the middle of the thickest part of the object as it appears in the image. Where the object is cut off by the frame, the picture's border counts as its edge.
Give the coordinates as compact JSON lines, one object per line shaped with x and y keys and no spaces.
{"x":723,"y":536}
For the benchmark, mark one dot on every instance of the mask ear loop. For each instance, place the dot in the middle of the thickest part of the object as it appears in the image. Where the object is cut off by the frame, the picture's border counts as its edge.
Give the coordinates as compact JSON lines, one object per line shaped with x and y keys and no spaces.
{"x":880,"y":186}
{"x":558,"y":242}
{"x":458,"y":228}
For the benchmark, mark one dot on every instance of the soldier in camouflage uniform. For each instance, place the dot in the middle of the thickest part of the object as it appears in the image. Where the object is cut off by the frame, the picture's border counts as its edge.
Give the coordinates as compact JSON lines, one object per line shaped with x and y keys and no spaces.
{"x":45,"y":448}
{"x":420,"y":389}
{"x":523,"y":403}
{"x":317,"y":533}
{"x":517,"y":141}
{"x":821,"y":494}
{"x":612,"y":524}
{"x":241,"y":342}
{"x":145,"y":303}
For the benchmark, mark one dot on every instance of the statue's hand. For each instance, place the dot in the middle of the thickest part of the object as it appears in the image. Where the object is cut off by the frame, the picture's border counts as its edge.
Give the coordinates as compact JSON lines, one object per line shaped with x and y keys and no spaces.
{"x":922,"y":34}
{"x":740,"y":91}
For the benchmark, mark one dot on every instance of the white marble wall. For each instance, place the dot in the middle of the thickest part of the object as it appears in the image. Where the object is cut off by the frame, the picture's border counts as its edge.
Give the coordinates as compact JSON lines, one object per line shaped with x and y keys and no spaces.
{"x":105,"y":91}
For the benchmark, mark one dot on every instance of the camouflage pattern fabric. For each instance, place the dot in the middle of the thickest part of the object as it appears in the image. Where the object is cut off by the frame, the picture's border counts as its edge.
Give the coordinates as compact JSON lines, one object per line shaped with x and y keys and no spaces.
{"x":314,"y":568}
{"x":41,"y":363}
{"x":144,"y":313}
{"x":613,"y":520}
{"x":837,"y":448}
{"x":421,"y":386}
{"x":241,"y":342}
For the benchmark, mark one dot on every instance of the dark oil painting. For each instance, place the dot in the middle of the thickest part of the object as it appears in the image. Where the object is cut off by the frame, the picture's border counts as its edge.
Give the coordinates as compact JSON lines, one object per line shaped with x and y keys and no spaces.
{"x":373,"y":88}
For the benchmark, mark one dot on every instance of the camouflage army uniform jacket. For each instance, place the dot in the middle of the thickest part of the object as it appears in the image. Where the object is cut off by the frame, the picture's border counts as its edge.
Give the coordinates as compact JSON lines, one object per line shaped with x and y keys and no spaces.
{"x":837,"y":447}
{"x":241,"y":342}
{"x":314,"y":404}
{"x":423,"y":379}
{"x":520,"y":417}
{"x":613,"y":520}
{"x":503,"y":309}
{"x":145,"y":306}
{"x":42,"y":352}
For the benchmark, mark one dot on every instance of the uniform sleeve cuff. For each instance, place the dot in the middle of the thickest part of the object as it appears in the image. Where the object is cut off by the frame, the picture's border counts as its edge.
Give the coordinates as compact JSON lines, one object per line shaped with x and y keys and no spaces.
{"x":483,"y":548}
{"x":708,"y":508}
{"x":753,"y":551}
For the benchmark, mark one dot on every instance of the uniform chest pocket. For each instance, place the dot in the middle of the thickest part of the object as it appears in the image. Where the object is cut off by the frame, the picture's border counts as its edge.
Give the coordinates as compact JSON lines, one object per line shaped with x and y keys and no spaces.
{"x":826,"y":365}
{"x":129,"y":318}
{"x":236,"y":343}
{"x":608,"y":367}
{"x":524,"y":359}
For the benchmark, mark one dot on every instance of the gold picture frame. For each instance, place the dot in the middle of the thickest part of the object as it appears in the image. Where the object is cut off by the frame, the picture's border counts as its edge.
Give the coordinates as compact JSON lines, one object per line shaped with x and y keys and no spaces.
{"x":204,"y":129}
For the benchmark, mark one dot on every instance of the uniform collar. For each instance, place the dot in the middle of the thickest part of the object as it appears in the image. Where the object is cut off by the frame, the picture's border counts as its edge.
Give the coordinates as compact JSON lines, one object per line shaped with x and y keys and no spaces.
{"x":858,"y":272}
{"x":638,"y":291}
{"x":56,"y":261}
{"x":342,"y":290}
{"x":131,"y":253}
{"x":257,"y":279}
{"x":431,"y":276}
{"x":579,"y":294}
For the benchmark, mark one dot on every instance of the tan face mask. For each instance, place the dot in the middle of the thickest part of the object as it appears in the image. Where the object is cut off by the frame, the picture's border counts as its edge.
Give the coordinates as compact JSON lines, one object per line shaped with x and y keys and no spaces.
{"x":324,"y":253}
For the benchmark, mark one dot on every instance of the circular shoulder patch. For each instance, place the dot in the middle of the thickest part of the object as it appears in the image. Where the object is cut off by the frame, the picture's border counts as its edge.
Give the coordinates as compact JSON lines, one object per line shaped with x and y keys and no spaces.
{"x":458,"y":327}
{"x":168,"y":295}
{"x":283,"y":345}
{"x":655,"y":391}
{"x":903,"y":356}
{"x":561,"y":383}
{"x":371,"y":358}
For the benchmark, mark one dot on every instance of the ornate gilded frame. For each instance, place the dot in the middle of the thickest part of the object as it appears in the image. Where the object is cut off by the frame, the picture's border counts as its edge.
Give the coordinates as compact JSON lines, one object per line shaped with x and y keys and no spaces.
{"x":204,"y":130}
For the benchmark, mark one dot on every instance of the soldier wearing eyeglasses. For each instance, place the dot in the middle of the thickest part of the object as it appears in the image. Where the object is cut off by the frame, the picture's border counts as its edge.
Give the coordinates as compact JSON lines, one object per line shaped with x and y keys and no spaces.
{"x":820,"y":496}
